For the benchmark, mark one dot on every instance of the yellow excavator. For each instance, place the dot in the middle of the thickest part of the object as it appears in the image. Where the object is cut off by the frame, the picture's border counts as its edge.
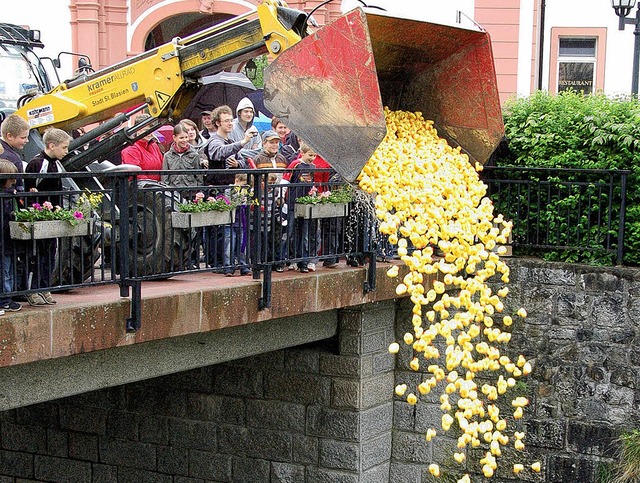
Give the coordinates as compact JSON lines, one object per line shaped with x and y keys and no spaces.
{"x":328,"y":84}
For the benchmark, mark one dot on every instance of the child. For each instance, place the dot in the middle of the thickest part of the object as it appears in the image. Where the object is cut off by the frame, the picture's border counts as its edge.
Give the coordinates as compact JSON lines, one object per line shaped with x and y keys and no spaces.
{"x":301,"y":232}
{"x":56,"y":146}
{"x":270,"y":205}
{"x":15,"y":135}
{"x":269,"y":157}
{"x":8,"y":281}
{"x":195,"y":139}
{"x":236,"y":243}
{"x":183,"y":156}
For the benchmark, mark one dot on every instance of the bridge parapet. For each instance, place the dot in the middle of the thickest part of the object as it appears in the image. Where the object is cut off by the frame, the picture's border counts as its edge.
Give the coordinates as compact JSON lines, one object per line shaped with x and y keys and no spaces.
{"x":82,"y":344}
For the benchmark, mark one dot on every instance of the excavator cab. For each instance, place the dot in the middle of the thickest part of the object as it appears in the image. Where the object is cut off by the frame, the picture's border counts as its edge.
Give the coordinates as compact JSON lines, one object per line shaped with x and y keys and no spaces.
{"x":21,"y":71}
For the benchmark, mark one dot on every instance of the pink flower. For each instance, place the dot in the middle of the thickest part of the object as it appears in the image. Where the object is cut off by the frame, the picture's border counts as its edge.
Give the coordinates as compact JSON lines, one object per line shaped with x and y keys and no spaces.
{"x":78,"y":215}
{"x":37,"y":206}
{"x":199,"y":196}
{"x":211,"y":198}
{"x":47,"y":205}
{"x":313,"y":191}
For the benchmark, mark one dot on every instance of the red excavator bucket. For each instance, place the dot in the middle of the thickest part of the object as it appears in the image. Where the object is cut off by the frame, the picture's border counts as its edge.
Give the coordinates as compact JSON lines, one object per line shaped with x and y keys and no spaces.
{"x":330,"y":87}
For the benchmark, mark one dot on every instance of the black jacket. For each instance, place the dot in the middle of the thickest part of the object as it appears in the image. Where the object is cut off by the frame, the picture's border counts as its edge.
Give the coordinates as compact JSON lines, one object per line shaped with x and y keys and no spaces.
{"x":43,"y":185}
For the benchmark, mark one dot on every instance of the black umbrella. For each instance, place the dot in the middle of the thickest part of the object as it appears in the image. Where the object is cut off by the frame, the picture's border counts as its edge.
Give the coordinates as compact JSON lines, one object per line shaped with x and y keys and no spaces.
{"x":224,"y":88}
{"x":257,"y":98}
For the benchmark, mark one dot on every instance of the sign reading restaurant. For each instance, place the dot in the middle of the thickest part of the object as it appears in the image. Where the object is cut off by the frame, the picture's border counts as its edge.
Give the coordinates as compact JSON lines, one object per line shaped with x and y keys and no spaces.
{"x":577,"y":76}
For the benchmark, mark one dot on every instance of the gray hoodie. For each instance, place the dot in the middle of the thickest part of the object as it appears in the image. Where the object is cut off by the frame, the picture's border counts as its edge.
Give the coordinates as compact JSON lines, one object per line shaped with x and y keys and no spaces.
{"x":237,"y":133}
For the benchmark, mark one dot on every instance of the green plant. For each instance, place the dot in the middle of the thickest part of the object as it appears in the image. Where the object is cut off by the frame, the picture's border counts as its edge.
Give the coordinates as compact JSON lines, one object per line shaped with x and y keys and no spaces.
{"x":628,"y":468}
{"x":571,"y":130}
{"x":343,"y":194}
{"x":86,"y":203}
{"x":233,"y":198}
{"x":604,"y":472}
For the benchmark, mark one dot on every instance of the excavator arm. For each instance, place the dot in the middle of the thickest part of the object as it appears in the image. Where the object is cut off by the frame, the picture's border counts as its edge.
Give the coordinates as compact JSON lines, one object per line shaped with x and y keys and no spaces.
{"x":164,"y":78}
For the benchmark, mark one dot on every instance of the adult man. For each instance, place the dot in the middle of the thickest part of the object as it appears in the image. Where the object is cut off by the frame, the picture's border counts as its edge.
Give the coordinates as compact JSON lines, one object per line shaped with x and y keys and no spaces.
{"x":245,"y":114}
{"x":221,"y":150}
{"x":207,"y":125}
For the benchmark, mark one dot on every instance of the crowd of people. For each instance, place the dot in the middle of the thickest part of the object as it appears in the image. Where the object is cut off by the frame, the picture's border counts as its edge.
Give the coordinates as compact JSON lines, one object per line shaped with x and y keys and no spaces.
{"x":227,"y":140}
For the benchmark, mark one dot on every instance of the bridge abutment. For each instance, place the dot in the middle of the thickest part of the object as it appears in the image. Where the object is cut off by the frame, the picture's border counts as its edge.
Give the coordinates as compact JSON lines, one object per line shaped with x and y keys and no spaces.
{"x":319,"y":412}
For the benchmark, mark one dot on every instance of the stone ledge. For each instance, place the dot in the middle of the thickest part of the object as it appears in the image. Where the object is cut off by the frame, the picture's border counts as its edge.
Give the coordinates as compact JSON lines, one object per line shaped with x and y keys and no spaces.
{"x":93,"y":318}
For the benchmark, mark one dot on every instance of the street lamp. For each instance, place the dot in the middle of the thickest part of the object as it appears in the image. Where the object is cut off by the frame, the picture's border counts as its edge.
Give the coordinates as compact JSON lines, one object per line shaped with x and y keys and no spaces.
{"x":622,"y":9}
{"x":251,"y":69}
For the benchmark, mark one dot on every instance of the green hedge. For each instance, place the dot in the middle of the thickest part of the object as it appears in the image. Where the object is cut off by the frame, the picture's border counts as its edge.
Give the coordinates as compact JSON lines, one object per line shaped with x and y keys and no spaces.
{"x":570,"y":130}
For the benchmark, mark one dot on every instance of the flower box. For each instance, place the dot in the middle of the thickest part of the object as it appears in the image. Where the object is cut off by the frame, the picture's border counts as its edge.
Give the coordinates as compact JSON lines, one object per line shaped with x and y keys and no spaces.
{"x":321,"y":210}
{"x":38,"y":230}
{"x":202,"y":218}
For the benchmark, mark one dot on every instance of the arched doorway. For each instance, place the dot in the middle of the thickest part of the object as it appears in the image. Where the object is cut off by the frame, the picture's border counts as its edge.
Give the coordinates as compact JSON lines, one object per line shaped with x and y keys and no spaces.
{"x":181,"y":25}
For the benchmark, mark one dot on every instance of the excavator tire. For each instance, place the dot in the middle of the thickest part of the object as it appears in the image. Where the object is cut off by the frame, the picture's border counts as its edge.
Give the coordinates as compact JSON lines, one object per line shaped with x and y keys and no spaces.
{"x":83,"y":253}
{"x":160,"y":248}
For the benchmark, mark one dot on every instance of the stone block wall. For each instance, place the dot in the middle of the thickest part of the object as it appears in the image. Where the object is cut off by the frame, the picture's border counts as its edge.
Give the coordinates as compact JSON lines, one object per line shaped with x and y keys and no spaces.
{"x":581,"y":335}
{"x":314,"y":414}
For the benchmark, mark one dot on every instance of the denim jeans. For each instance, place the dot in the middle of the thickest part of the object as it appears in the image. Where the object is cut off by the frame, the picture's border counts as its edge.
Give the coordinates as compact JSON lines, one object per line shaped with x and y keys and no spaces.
{"x":306,"y":240}
{"x":233,"y":238}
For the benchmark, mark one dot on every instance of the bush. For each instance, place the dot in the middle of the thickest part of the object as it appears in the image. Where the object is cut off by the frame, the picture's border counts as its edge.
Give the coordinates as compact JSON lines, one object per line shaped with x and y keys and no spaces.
{"x":570,"y":130}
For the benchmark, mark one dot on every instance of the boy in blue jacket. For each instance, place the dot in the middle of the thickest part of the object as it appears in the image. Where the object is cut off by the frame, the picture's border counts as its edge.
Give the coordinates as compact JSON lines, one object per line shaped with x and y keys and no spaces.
{"x":8,"y":280}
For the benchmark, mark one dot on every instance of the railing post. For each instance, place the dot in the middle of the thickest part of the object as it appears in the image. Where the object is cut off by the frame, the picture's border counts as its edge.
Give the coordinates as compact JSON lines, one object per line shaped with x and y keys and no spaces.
{"x":134,"y":321}
{"x":369,"y":250}
{"x":370,"y":282}
{"x":127,"y":248}
{"x":265,"y":300}
{"x":623,"y":209}
{"x":121,"y":207}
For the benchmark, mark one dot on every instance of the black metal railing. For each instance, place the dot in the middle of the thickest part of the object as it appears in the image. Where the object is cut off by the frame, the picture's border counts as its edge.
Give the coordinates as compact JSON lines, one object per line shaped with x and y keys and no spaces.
{"x":573,"y":211}
{"x":133,"y":237}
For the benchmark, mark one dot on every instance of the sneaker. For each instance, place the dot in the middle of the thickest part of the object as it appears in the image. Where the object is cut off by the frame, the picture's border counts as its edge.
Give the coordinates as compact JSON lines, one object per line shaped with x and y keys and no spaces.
{"x":46,"y":296}
{"x":312,"y":267}
{"x":245,"y":271}
{"x":291,"y":266}
{"x":279,"y":268}
{"x":35,"y":299}
{"x":11,"y":306}
{"x":330,"y":264}
{"x":229,"y":274}
{"x":1,"y":312}
{"x":304,"y":269}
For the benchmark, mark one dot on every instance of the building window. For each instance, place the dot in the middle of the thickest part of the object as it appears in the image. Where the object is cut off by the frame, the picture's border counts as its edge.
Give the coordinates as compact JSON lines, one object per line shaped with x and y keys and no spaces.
{"x":577,"y":59}
{"x":576,"y":64}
